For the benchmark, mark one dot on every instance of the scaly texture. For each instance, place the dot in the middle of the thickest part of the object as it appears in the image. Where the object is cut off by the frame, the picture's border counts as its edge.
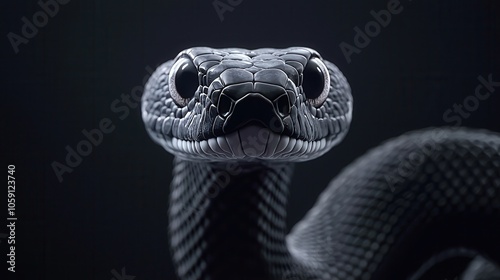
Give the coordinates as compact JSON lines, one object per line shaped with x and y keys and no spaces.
{"x":402,"y":203}
{"x":229,"y":225}
{"x":237,"y":119}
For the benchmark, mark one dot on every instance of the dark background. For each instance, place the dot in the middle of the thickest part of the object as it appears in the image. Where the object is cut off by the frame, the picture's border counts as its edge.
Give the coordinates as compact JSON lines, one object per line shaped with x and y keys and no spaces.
{"x":110,"y":211}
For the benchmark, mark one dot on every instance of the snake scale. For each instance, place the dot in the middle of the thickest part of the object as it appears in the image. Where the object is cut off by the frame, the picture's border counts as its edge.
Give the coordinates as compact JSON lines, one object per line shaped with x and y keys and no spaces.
{"x":237,"y":120}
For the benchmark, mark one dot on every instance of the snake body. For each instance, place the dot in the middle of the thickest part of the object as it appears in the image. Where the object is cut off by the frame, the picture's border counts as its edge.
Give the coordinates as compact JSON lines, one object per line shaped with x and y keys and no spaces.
{"x":237,"y":120}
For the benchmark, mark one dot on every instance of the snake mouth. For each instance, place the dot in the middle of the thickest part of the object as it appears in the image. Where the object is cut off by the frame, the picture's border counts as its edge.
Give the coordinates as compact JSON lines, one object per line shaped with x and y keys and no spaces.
{"x":249,"y":143}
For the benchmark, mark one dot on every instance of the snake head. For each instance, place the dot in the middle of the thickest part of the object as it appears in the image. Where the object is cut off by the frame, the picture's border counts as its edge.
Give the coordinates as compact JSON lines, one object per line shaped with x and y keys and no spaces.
{"x":238,"y":104}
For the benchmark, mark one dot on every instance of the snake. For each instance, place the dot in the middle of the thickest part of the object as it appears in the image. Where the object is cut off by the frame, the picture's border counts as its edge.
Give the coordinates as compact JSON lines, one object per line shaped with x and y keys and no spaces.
{"x":238,"y":120}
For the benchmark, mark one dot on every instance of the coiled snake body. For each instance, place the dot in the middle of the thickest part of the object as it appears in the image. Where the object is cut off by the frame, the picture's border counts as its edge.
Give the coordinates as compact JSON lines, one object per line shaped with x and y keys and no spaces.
{"x":237,"y":119}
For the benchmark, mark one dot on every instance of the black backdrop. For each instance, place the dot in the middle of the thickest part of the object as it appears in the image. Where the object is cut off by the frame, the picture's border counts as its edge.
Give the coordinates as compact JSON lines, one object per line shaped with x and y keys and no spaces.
{"x":109,"y":213}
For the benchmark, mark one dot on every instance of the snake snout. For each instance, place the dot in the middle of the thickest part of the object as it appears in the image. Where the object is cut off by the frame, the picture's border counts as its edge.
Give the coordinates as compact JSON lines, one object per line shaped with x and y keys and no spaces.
{"x":253,"y":108}
{"x":263,"y":98}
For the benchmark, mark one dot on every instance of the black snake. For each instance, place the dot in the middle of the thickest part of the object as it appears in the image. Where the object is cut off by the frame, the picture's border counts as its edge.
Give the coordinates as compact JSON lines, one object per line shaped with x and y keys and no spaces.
{"x":237,"y":119}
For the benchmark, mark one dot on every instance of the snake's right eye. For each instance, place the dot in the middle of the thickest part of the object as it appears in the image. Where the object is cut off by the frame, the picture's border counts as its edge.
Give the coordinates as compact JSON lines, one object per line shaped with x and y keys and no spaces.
{"x":183,"y":80}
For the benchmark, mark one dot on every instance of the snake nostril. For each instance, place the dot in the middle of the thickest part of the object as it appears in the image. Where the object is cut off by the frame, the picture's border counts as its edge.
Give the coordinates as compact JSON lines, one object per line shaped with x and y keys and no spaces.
{"x":224,"y":105}
{"x":282,"y":105}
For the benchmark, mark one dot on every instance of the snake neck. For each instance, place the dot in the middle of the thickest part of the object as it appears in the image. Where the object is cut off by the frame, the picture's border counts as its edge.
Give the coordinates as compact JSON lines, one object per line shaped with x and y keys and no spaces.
{"x":227,"y":221}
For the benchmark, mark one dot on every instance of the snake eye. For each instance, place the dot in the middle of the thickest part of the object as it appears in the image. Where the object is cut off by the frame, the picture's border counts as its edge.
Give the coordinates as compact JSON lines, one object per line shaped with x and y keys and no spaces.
{"x":316,"y":82}
{"x":183,"y":81}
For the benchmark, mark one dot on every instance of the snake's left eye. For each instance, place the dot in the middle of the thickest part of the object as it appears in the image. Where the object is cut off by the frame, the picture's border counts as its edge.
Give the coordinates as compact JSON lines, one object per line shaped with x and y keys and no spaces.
{"x":316,"y":82}
{"x":183,"y":81}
